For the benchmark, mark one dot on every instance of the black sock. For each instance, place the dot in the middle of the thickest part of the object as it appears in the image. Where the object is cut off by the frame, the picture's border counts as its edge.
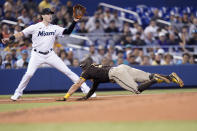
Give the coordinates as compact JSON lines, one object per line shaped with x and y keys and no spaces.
{"x":146,"y":85}
{"x":151,"y":76}
{"x":166,"y":76}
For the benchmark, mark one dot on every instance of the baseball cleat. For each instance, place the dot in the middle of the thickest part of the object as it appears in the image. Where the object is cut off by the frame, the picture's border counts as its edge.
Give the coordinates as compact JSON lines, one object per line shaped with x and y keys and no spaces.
{"x":159,"y":78}
{"x":176,"y":79}
{"x":93,"y":95}
{"x":15,"y":97}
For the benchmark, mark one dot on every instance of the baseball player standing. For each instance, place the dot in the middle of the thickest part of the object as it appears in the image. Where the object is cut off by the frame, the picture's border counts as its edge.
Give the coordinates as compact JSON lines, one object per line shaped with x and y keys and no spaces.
{"x":43,"y":37}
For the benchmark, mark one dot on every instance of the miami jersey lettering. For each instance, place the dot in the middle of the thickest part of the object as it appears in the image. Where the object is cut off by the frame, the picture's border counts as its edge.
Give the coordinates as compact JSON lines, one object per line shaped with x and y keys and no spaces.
{"x":43,"y":33}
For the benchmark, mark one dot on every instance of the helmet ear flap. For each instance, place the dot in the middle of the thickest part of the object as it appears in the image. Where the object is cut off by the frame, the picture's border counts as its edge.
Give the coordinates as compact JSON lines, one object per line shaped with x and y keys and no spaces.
{"x":86,"y":63}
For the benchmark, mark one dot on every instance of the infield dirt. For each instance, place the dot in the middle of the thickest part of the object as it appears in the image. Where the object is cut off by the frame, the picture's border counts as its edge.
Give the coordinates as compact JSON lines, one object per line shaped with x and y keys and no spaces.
{"x":151,"y":107}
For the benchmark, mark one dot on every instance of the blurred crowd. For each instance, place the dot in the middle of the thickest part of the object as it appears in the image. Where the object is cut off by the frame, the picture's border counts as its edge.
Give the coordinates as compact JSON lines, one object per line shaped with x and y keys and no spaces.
{"x":114,"y":41}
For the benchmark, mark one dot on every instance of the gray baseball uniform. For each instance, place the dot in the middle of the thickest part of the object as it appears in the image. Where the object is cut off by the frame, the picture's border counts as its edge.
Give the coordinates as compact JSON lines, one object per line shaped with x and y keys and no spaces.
{"x":127,"y":77}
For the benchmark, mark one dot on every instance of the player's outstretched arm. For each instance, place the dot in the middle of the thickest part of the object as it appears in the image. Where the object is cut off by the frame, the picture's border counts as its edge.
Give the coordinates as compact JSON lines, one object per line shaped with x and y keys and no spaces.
{"x":73,"y":88}
{"x":78,"y":13}
{"x":70,"y":28}
{"x":12,"y":38}
{"x":91,"y":92}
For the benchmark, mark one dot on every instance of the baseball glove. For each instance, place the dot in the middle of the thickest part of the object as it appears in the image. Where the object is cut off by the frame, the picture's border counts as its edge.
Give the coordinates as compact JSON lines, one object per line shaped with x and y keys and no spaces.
{"x":78,"y":11}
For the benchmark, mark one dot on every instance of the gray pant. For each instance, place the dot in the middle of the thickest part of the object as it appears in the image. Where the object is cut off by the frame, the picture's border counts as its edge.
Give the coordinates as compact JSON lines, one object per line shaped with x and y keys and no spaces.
{"x":127,"y":77}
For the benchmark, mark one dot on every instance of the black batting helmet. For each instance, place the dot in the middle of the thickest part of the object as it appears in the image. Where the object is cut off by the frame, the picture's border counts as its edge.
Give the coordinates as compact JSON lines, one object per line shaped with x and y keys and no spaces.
{"x":84,"y":64}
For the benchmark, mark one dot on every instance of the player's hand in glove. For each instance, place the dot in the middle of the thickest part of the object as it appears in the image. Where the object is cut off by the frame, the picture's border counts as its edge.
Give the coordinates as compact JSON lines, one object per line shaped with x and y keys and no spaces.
{"x":78,"y":12}
{"x":82,"y":98}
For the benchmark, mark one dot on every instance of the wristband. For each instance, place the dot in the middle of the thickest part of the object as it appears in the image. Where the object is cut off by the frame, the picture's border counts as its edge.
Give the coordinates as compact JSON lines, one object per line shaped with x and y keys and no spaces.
{"x":67,"y":96}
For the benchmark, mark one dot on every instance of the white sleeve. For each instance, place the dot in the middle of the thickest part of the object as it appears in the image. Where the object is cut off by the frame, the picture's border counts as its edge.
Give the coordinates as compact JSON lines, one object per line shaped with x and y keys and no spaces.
{"x":29,"y":30}
{"x":59,"y":30}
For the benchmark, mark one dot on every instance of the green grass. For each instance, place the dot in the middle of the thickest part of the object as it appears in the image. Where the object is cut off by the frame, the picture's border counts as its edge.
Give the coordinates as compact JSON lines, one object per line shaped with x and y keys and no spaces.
{"x":23,"y":106}
{"x":170,"y":91}
{"x":40,"y":95}
{"x":158,"y":91}
{"x":108,"y":126}
{"x":109,"y":93}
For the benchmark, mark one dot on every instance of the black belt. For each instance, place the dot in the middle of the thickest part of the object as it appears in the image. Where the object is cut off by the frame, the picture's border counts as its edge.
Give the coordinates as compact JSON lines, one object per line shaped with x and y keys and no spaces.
{"x":44,"y":53}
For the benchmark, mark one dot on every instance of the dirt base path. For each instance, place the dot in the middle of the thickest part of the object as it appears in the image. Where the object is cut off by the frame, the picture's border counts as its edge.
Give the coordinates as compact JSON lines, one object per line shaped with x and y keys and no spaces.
{"x":179,"y":106}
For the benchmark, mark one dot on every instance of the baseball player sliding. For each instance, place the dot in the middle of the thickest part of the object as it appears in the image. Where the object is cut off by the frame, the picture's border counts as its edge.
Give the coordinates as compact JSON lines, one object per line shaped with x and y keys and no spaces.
{"x":43,"y":37}
{"x":126,"y":76}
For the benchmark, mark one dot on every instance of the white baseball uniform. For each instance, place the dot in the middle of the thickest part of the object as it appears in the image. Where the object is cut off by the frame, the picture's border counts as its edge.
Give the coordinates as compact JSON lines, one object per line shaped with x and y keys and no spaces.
{"x":43,"y":38}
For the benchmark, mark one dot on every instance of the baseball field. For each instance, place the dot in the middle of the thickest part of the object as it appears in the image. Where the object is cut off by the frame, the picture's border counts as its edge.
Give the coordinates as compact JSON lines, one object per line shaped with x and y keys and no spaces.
{"x":154,"y":110}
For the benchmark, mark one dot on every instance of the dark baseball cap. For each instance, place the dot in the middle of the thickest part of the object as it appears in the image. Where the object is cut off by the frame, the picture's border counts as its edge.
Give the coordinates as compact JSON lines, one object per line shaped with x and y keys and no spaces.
{"x":46,"y":11}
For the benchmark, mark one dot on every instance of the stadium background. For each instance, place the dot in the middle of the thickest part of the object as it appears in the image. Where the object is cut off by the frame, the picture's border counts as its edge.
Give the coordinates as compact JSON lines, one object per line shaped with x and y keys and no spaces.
{"x":170,"y":47}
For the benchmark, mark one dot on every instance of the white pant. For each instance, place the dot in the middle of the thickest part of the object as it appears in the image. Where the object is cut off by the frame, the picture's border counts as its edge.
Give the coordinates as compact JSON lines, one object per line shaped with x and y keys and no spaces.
{"x":53,"y":60}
